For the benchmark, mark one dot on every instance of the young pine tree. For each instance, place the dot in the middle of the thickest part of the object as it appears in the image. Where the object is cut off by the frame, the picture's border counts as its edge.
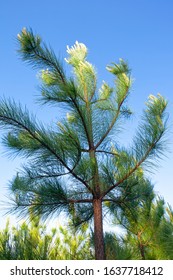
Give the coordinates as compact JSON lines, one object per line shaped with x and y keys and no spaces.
{"x":149,"y":230}
{"x":35,"y":242}
{"x":77,"y":165}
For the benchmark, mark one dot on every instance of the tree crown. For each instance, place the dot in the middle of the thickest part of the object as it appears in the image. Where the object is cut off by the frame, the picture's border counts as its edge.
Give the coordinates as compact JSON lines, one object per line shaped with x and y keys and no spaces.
{"x":79,"y":159}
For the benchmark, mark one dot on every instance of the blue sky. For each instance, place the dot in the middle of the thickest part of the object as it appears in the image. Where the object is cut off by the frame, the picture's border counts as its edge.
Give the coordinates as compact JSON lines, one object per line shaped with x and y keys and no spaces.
{"x":139,"y":31}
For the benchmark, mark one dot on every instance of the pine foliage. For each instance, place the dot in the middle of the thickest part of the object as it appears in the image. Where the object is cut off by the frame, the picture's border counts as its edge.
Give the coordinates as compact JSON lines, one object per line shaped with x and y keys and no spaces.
{"x":36,"y":242}
{"x":149,"y":230}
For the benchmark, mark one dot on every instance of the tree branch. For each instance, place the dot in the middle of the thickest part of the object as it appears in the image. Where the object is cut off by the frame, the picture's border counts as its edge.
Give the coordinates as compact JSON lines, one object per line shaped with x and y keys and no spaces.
{"x":112,"y":124}
{"x":50,"y":62}
{"x":73,"y":201}
{"x":133,"y":169}
{"x":83,"y":121}
{"x":107,"y":152}
{"x":34,"y":135}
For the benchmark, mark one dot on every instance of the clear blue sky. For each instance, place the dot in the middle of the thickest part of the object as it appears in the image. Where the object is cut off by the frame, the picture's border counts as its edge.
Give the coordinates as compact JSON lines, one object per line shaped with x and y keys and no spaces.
{"x":140,"y":31}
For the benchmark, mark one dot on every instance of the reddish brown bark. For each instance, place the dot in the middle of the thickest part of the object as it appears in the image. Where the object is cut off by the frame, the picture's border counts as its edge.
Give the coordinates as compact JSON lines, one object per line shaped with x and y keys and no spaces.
{"x":98,"y":230}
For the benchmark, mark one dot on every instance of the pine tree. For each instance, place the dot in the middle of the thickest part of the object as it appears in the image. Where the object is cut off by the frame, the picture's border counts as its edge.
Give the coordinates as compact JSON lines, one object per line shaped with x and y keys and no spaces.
{"x":149,"y":229}
{"x":34,"y":241}
{"x":77,"y":165}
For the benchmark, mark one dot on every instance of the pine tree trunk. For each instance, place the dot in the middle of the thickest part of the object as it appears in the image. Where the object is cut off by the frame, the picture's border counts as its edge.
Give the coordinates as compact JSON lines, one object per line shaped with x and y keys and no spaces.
{"x":141,"y":247}
{"x":98,"y":230}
